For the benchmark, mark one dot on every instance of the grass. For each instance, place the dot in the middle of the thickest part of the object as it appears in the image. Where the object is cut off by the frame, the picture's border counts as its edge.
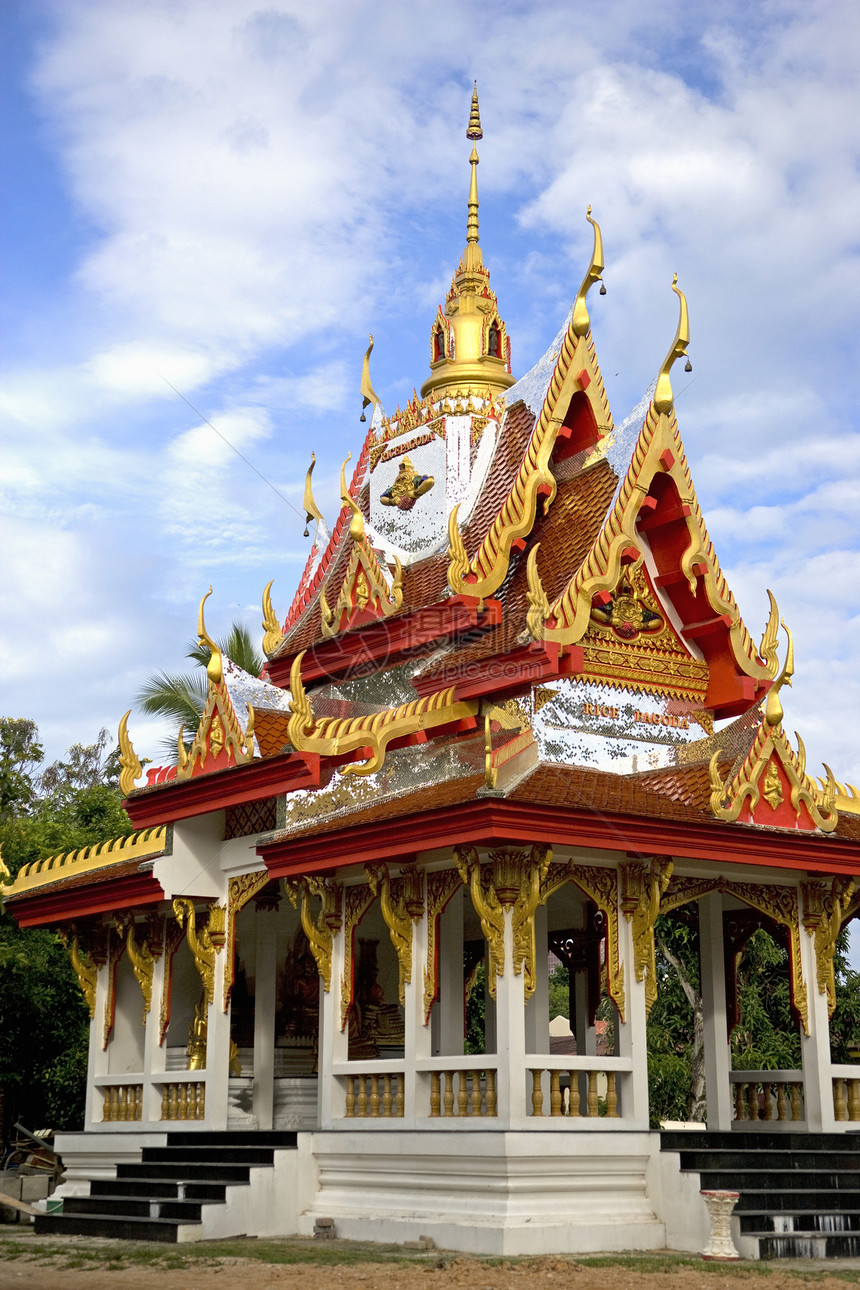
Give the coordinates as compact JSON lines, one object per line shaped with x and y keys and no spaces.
{"x":118,"y":1255}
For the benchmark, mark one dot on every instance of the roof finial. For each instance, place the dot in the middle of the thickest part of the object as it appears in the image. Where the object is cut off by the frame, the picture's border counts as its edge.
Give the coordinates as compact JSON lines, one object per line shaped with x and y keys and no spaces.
{"x":312,"y":511}
{"x":368,"y":394}
{"x":473,"y":131}
{"x":581,"y":321}
{"x":214,"y":668}
{"x":663,"y":396}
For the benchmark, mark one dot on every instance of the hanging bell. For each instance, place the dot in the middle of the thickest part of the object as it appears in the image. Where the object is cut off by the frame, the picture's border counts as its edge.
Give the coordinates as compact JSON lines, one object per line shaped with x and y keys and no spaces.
{"x":306,"y":533}
{"x":688,"y":366}
{"x":603,"y":288}
{"x":362,"y":417}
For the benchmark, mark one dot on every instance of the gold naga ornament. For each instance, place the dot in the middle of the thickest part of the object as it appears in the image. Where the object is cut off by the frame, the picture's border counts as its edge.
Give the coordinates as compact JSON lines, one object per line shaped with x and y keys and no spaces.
{"x":772,"y":765}
{"x":320,"y":931}
{"x":826,"y":910}
{"x":401,"y":906}
{"x":204,"y":943}
{"x":364,"y":584}
{"x":140,"y":956}
{"x":511,"y":880}
{"x":219,"y":730}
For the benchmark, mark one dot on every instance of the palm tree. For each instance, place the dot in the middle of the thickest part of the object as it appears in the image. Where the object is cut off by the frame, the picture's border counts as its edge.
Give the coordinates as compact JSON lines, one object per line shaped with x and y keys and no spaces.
{"x":181,"y":698}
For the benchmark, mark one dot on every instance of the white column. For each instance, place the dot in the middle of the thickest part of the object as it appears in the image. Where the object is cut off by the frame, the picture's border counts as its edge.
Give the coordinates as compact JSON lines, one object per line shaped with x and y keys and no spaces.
{"x":97,"y":1063}
{"x":511,"y":1035}
{"x":537,"y":1008}
{"x":417,"y":1038}
{"x":631,"y":1035}
{"x":265,"y":1002}
{"x":718,"y":1055}
{"x":217,"y":1052}
{"x":448,"y":1018}
{"x":333,"y":1042}
{"x":815,"y":1048}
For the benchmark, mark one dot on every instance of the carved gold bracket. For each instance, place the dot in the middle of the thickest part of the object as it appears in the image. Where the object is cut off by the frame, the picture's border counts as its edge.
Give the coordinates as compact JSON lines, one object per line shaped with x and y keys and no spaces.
{"x":142,"y":961}
{"x":512,"y":880}
{"x":601,"y":886}
{"x":780,"y":904}
{"x":272,"y":635}
{"x":441,"y":886}
{"x":642,"y":887}
{"x":320,"y":930}
{"x":356,"y":902}
{"x":203,"y":943}
{"x":399,"y":914}
{"x":85,"y":971}
{"x":240,"y":889}
{"x":825,"y":913}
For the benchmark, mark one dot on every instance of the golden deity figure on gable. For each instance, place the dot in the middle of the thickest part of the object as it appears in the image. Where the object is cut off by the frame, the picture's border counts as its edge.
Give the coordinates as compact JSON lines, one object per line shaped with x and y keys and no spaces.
{"x":625,"y":611}
{"x":407,"y":487}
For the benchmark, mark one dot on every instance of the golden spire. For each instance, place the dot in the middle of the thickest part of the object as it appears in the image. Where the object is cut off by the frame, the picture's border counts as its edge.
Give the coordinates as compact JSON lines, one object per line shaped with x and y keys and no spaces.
{"x":356,"y":524}
{"x":469,"y":345}
{"x":663,"y":397}
{"x":473,"y":129}
{"x":581,"y":321}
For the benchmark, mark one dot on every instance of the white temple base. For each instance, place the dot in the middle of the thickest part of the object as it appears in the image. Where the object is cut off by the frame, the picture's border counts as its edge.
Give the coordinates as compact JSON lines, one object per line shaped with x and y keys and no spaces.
{"x":489,"y":1193}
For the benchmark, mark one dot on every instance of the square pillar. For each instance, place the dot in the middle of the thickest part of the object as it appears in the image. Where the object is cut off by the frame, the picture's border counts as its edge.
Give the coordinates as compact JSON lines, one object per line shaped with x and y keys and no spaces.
{"x":815,"y":1048}
{"x":511,"y":1034}
{"x":448,"y":1020}
{"x":217,"y":1052}
{"x":265,"y":1001}
{"x":417,"y":1040}
{"x":333,"y":1042}
{"x":718,"y":1054}
{"x":632,"y":1035}
{"x":537,"y":1008}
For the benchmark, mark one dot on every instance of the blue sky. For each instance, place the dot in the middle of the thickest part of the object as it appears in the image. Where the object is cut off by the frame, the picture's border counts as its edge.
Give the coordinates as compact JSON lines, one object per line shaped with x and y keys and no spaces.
{"x":230,"y":196}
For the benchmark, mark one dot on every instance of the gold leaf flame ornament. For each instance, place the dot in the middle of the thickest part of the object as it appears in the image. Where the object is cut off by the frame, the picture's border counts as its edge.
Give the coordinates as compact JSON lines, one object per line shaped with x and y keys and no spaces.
{"x":128,"y":759}
{"x":368,"y":394}
{"x":214,"y":668}
{"x":312,"y":511}
{"x":356,"y":524}
{"x":664,"y":399}
{"x":272,"y":634}
{"x":581,"y":321}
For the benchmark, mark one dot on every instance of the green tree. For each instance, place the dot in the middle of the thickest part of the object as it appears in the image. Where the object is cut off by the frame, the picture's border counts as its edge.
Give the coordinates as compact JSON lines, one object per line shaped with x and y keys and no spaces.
{"x":181,"y":697}
{"x":676,"y":1075}
{"x":43,"y":1021}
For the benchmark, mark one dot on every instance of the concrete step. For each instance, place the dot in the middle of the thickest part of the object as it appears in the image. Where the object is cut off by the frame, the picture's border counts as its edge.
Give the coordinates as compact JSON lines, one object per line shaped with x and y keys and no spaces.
{"x":186,"y":1171}
{"x":192,"y":1154}
{"x":808,"y":1245}
{"x":124,"y":1228}
{"x":827,"y":1178}
{"x":188,"y":1211}
{"x":282,"y":1139}
{"x":760,"y":1221}
{"x":786,"y":1161}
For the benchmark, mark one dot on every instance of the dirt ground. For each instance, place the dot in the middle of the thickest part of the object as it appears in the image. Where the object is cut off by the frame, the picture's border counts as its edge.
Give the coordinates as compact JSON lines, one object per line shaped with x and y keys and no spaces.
{"x":73,"y":1265}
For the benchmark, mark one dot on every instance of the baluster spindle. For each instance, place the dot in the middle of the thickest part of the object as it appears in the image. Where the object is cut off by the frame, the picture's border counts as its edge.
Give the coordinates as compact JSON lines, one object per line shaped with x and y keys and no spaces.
{"x":448,"y":1096}
{"x":435,"y":1095}
{"x":537,"y":1092}
{"x":492,"y":1102}
{"x":611,"y":1096}
{"x":554,"y":1094}
{"x":386,"y":1097}
{"x":361,"y":1102}
{"x":591,"y":1099}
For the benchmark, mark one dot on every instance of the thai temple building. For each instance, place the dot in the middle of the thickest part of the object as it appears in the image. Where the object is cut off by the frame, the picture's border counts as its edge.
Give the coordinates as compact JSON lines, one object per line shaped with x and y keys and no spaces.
{"x":510,"y":716}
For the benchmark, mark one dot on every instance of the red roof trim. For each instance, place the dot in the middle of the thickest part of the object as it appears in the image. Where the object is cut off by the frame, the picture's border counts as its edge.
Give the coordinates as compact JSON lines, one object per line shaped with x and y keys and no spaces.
{"x":42,"y":908}
{"x":490,"y":822}
{"x":179,"y":799}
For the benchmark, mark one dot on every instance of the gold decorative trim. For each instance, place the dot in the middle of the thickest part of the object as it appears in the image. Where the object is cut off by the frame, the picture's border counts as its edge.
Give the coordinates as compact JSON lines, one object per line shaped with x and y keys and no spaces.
{"x":581,"y":323}
{"x":173,"y":937}
{"x":513,"y":880}
{"x":664,"y":399}
{"x":272,"y":634}
{"x":200,"y":942}
{"x":68,"y":864}
{"x":759,"y":775}
{"x":240,"y":889}
{"x":488,"y":908}
{"x":364,"y":587}
{"x":140,"y":956}
{"x":486,"y":571}
{"x":441,"y":886}
{"x":683,"y":891}
{"x":86,"y":972}
{"x":356,"y":902}
{"x":659,"y":451}
{"x":319,"y":931}
{"x":337,"y":736}
{"x":825,"y":913}
{"x":398,"y":919}
{"x":114,"y":951}
{"x":780,"y":904}
{"x":642,"y":887}
{"x":534,"y":869}
{"x":219,"y":727}
{"x":128,"y":759}
{"x":601,"y":885}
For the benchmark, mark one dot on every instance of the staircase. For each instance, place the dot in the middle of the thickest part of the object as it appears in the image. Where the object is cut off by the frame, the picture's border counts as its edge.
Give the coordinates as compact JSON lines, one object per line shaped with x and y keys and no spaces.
{"x":197,"y":1186}
{"x":799,"y":1192}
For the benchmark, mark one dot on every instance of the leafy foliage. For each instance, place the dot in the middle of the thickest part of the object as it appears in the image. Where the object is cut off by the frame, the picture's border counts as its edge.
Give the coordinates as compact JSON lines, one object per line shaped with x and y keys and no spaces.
{"x":766,"y":1037}
{"x":675,"y":1026}
{"x":43,"y":1020}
